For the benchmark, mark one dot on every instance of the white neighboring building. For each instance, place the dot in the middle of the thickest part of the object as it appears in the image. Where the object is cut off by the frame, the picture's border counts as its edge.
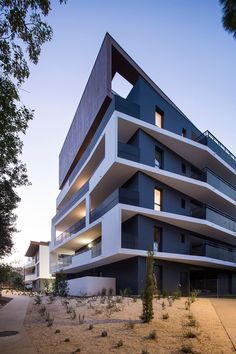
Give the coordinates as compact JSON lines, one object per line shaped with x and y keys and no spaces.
{"x":37,"y":266}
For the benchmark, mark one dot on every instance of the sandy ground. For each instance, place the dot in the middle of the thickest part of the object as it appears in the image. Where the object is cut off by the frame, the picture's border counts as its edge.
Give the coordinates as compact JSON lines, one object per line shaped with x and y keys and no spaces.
{"x":115,"y":318}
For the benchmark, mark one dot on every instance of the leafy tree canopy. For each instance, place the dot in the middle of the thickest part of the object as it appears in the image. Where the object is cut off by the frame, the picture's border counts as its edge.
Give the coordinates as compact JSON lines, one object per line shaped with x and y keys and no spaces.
{"x":23,"y":31}
{"x":229,"y":16}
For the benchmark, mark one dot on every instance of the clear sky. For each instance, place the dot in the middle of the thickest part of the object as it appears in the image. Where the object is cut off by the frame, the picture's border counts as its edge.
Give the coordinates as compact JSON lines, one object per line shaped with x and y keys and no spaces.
{"x":180,"y":44}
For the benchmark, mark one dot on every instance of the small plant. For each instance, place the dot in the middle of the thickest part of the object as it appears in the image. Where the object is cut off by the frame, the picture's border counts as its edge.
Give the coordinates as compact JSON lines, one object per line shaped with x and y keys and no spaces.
{"x":170,"y":301}
{"x":73,"y":314}
{"x":152,"y":335}
{"x":104,"y":334}
{"x":110,"y":292}
{"x":144,"y":351}
{"x":176,"y":295}
{"x":163,"y":305}
{"x":190,"y":334}
{"x":164,"y":294}
{"x":119,"y":300}
{"x":57,"y":331}
{"x":165,"y":316}
{"x":135,"y":299}
{"x":104,"y":292}
{"x":130,"y":325}
{"x":187,"y":349}
{"x":90,"y":327}
{"x":98,"y":311}
{"x":38,"y":300}
{"x":81,"y":319}
{"x":192,"y":323}
{"x":49,"y":319}
{"x":42,"y":310}
{"x":67,"y":340}
{"x":120,"y":343}
{"x":188,"y":304}
{"x":77,"y":350}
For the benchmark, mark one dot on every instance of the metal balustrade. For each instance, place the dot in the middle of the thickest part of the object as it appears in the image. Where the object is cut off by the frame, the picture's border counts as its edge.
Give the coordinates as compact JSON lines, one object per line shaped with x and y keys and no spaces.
{"x":79,"y":225}
{"x":208,"y":139}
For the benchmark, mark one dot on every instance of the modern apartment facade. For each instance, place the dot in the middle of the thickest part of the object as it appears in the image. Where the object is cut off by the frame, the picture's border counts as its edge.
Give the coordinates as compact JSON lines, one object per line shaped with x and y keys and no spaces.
{"x":36,"y":269}
{"x":136,"y":174}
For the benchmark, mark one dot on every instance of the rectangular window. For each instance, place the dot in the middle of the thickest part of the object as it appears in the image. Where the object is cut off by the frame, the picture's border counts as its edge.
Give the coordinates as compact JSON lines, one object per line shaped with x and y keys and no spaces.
{"x":159,"y":119}
{"x":183,"y":168}
{"x":157,"y":200}
{"x":183,"y":203}
{"x":158,"y":158}
{"x":157,"y":239}
{"x":184,"y":132}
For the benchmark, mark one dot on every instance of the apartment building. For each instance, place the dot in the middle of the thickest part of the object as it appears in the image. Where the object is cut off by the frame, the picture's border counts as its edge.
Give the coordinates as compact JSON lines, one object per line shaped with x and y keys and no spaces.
{"x":136,"y":174}
{"x":36,"y":269}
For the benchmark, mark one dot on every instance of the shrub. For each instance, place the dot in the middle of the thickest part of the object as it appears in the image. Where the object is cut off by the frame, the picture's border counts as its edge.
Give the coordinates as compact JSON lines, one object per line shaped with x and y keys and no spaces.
{"x":67,"y":340}
{"x":57,"y":331}
{"x":176,"y":295}
{"x":148,"y":293}
{"x":49,"y":319}
{"x":163,"y":305}
{"x":104,"y":292}
{"x":90,"y":327}
{"x":38,"y":300}
{"x":170,"y":301}
{"x":188,"y":304}
{"x":73,"y":314}
{"x":164,"y":294}
{"x":42,"y":310}
{"x":110,"y":292}
{"x":187,"y":349}
{"x":152,"y":335}
{"x":104,"y":334}
{"x":190,"y":334}
{"x":165,"y":316}
{"x":192,"y":323}
{"x":60,"y":285}
{"x":120,"y":343}
{"x":81,"y":319}
{"x":144,"y":351}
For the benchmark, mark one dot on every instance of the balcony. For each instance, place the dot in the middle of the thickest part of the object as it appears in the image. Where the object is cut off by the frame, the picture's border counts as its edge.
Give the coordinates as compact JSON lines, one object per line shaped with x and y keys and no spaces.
{"x":120,"y":195}
{"x":77,"y":196}
{"x":129,"y":152}
{"x":215,"y":145}
{"x":215,"y":216}
{"x":79,"y":225}
{"x":30,"y":263}
{"x":213,"y":250}
{"x":30,"y":277}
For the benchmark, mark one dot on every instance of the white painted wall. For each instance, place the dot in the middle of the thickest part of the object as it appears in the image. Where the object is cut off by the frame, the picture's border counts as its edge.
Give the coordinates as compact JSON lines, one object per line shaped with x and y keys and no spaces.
{"x":44,"y":262}
{"x":111,"y":231}
{"x":90,"y":285}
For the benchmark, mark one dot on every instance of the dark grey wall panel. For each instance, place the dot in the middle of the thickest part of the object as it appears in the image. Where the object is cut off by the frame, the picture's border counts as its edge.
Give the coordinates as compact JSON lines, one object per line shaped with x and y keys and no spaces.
{"x":97,"y":95}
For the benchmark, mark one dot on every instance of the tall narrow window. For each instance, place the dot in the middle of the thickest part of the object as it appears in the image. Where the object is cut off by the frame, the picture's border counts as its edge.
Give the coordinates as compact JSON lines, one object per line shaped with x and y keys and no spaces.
{"x":157,"y":199}
{"x":157,"y":239}
{"x":159,"y":119}
{"x":183,"y":167}
{"x":184,"y":132}
{"x":158,"y":158}
{"x":183,"y":203}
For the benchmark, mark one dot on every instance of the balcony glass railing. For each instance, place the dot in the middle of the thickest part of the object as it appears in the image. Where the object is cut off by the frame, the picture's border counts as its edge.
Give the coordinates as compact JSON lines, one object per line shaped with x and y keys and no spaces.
{"x":214,"y":250}
{"x":215,"y":145}
{"x":79,"y":225}
{"x":96,"y":250}
{"x":129,"y":152}
{"x":77,"y":196}
{"x":120,"y":195}
{"x":215,"y":216}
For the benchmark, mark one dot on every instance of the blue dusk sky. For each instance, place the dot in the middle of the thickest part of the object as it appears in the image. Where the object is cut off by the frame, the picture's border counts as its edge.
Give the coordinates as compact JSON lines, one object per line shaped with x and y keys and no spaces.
{"x":180,"y":44}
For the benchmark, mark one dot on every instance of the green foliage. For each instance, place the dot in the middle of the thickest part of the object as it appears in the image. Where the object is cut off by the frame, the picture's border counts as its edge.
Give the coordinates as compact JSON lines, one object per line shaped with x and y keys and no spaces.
{"x":60,"y":285}
{"x":148,"y":293}
{"x":47,"y":287}
{"x":152,"y":335}
{"x":21,"y":26}
{"x":104,"y":334}
{"x":229,"y":16}
{"x":11,"y":277}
